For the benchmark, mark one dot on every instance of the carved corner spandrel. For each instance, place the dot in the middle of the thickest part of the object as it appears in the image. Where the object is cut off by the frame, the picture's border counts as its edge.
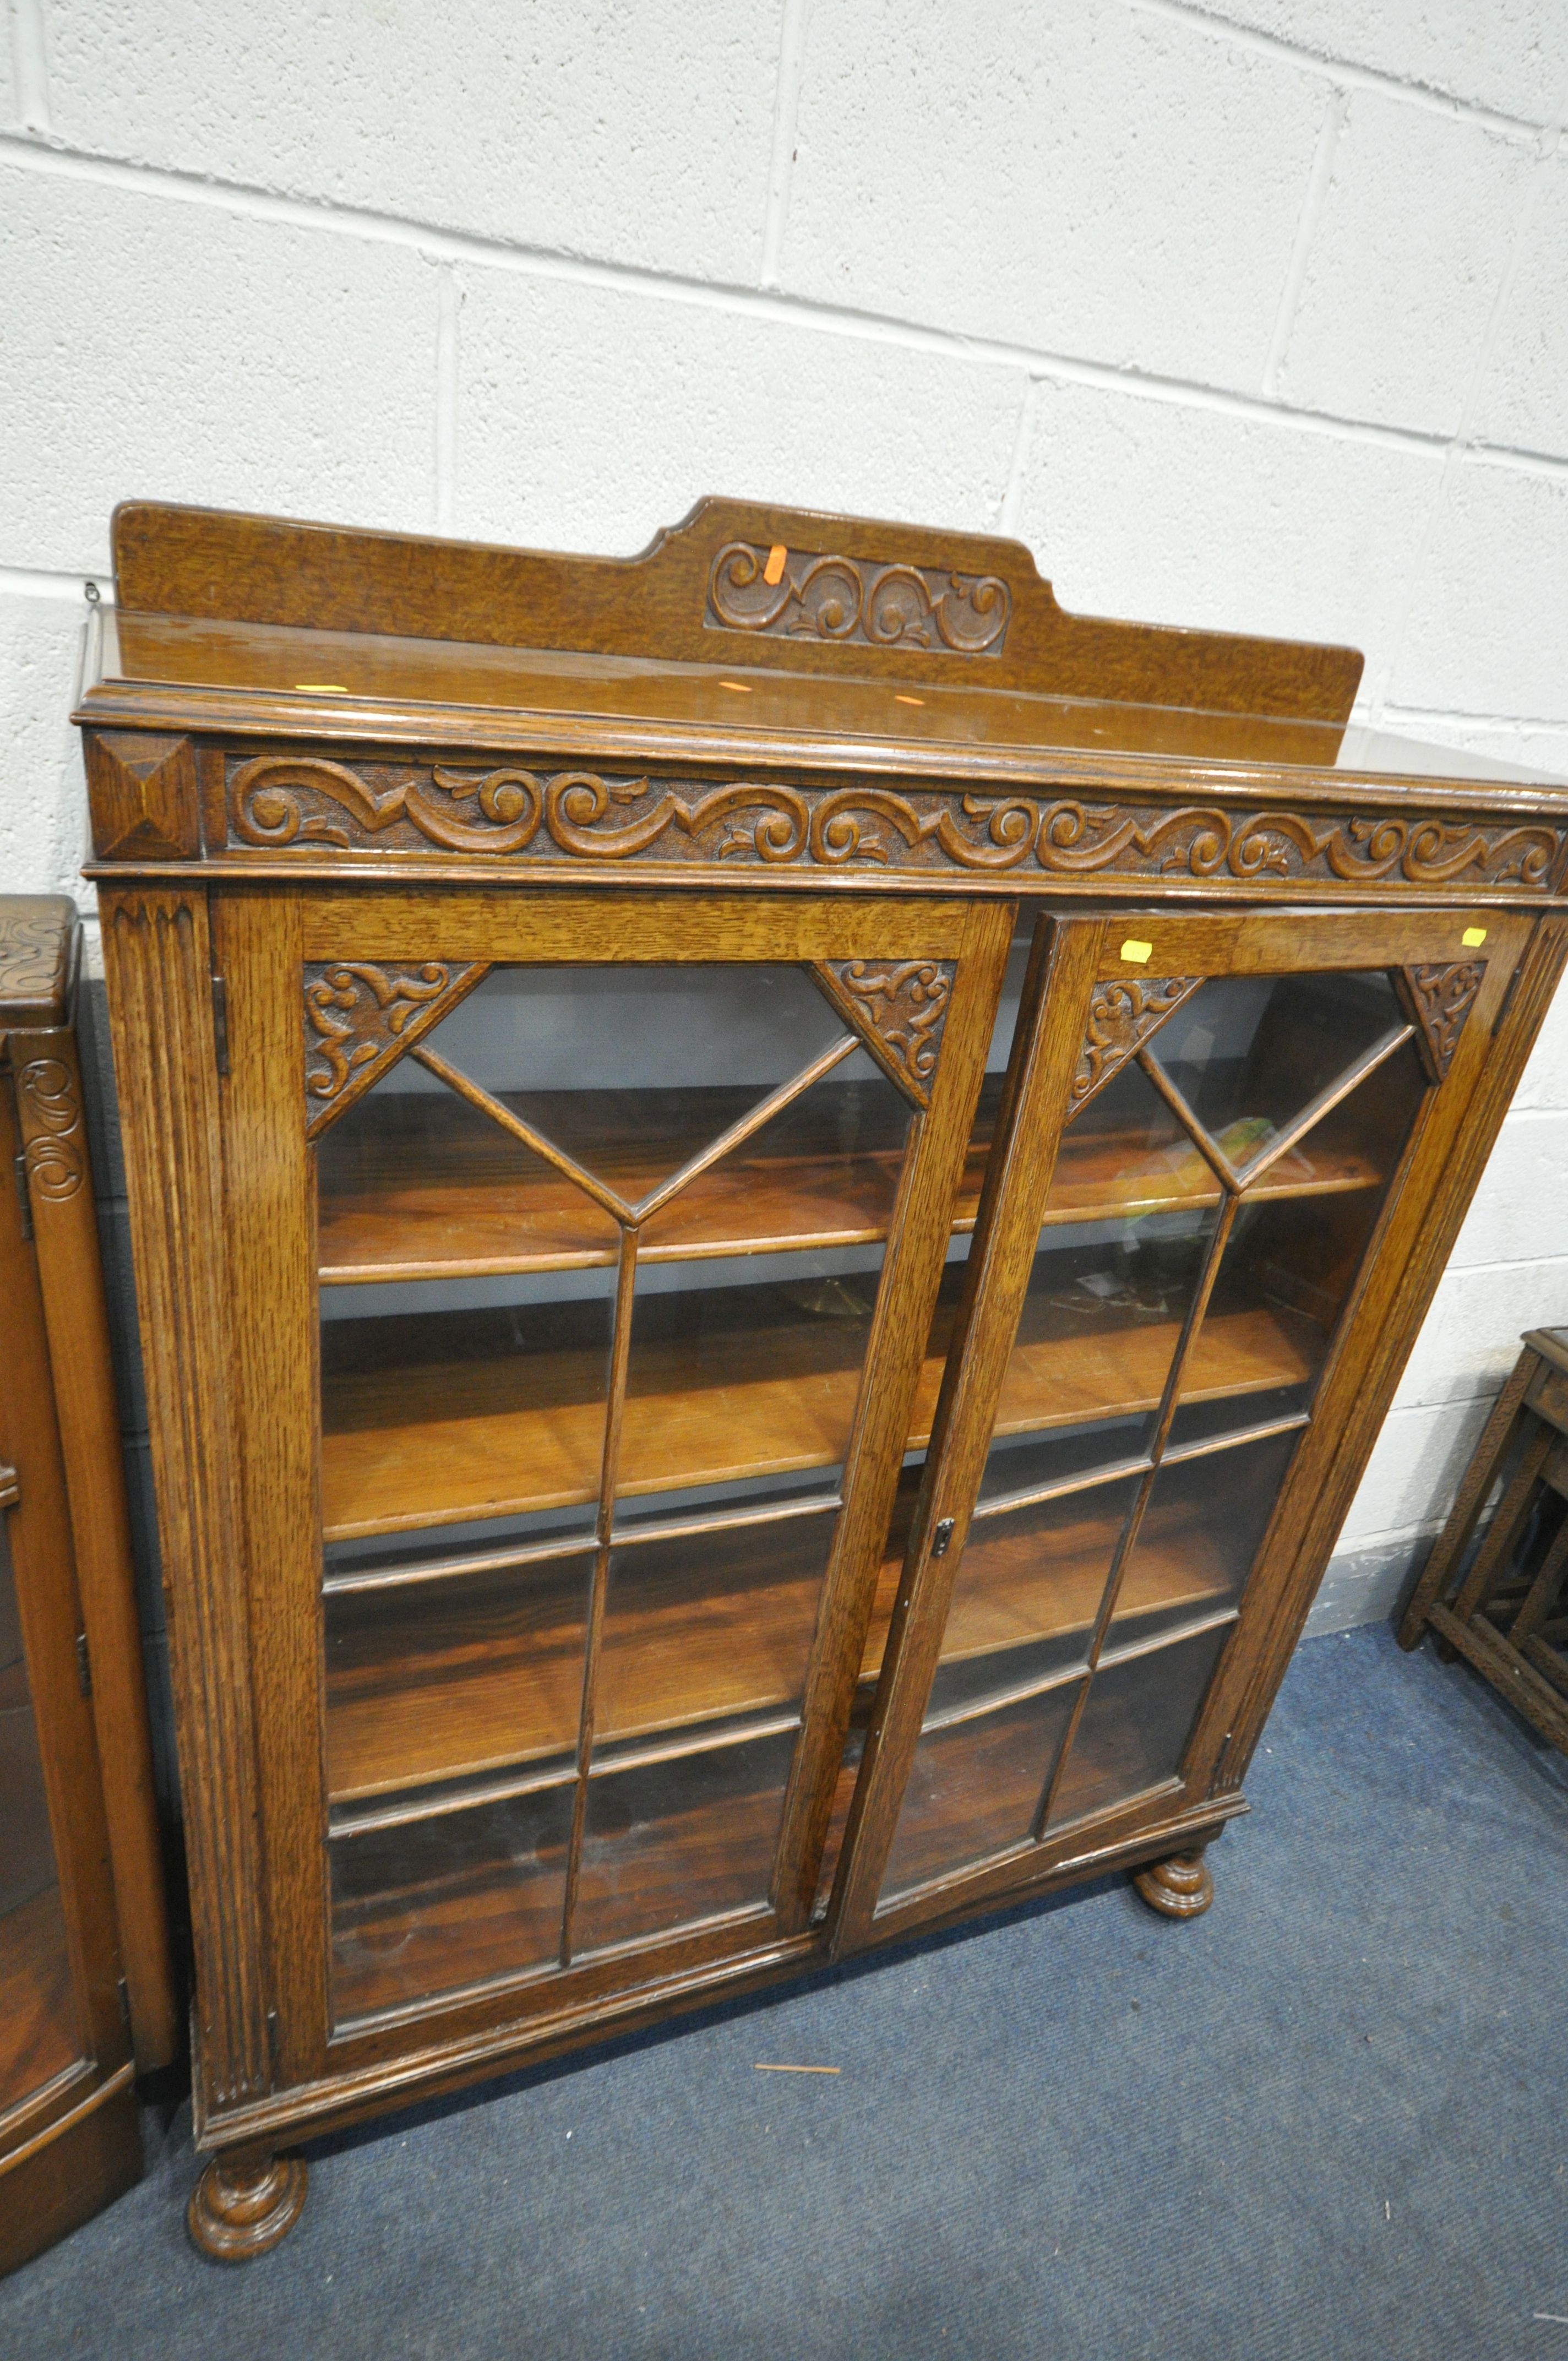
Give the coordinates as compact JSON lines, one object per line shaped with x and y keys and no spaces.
{"x":1441,"y":999}
{"x":899,"y":1008}
{"x":1122,"y":1016}
{"x":359,"y":1018}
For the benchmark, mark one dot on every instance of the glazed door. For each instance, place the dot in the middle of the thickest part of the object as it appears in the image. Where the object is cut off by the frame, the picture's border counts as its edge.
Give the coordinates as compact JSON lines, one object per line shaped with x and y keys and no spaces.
{"x":604,"y":1234}
{"x":1212,"y":1123}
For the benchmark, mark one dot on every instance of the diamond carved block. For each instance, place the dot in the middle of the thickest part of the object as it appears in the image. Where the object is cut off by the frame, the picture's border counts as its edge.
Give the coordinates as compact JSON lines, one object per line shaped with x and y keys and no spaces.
{"x":143,"y":793}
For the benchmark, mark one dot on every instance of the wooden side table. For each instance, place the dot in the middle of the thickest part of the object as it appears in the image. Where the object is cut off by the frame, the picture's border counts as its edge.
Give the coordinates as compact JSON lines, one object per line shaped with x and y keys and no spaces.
{"x":1503,"y":1605}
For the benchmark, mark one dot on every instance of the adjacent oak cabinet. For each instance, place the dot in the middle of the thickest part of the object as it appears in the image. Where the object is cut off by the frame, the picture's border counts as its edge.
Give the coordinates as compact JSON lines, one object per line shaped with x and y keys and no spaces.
{"x":777,"y":1191}
{"x":86,"y":1987}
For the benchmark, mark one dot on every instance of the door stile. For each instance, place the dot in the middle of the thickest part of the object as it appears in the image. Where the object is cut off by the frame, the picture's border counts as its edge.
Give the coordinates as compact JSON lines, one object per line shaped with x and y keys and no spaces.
{"x":917,"y":1246}
{"x":1050,"y":1028}
{"x":1464,"y":1116}
{"x":270,"y":1219}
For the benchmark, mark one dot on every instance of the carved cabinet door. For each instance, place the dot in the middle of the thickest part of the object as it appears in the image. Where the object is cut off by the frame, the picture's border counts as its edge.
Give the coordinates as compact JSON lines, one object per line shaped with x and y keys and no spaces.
{"x":1201,"y":1253}
{"x":582,"y":1251}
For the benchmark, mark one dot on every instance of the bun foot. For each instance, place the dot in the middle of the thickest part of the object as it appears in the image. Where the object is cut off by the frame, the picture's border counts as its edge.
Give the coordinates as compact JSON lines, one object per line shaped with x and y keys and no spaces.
{"x":242,"y":2207}
{"x":1181,"y":1887}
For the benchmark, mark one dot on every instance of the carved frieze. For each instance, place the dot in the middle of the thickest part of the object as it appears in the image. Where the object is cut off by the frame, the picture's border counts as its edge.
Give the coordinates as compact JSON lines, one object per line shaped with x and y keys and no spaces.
{"x":590,"y":817}
{"x":795,"y":594}
{"x":359,"y":1018}
{"x":899,"y":1008}
{"x":51,"y":1130}
{"x":1441,"y":998}
{"x":1122,"y":1016}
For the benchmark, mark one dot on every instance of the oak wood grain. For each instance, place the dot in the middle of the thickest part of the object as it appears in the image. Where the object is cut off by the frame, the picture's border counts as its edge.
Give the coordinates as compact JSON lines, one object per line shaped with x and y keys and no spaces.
{"x":218,"y":564}
{"x":158,"y":958}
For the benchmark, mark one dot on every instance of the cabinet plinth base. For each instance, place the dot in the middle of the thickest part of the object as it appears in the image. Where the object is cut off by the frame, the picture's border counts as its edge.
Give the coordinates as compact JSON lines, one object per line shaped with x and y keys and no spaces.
{"x":1181,"y":1887}
{"x":243,"y":2207}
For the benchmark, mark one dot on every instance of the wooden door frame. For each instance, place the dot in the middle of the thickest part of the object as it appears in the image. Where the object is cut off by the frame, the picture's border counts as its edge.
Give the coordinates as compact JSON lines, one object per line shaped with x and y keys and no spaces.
{"x":261,"y":938}
{"x":1356,"y":1383}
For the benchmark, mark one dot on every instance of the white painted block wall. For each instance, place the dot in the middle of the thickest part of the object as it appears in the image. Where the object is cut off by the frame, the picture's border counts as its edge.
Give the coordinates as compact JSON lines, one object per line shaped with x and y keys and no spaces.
{"x":1251,"y":315}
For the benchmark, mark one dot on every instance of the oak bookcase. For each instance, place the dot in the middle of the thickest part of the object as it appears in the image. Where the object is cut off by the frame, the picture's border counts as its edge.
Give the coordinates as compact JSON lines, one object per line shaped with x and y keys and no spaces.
{"x":777,"y":1191}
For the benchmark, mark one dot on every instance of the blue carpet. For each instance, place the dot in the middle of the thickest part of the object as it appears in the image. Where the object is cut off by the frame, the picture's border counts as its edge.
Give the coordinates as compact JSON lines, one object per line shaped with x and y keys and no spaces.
{"x":1324,"y":2121}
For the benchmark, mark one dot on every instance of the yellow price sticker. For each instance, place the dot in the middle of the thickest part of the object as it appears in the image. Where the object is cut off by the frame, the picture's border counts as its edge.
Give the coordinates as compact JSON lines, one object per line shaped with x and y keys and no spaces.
{"x":1473,"y":937}
{"x":1137,"y":954}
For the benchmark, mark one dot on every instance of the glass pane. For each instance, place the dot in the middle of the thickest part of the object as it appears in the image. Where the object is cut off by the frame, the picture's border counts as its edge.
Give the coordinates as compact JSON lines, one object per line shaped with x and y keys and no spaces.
{"x":1250,"y":1053}
{"x":630,"y":1070}
{"x":1199,"y":1536}
{"x":726,"y":1119}
{"x":435,"y":1416}
{"x":1097,"y":1336}
{"x":1027,"y":1592}
{"x":749,"y":1366}
{"x":1136,"y":1723}
{"x":38,"y":2017}
{"x":428,"y":1679}
{"x":1290,"y":1261}
{"x":437,"y":1905}
{"x":824,"y":1172}
{"x":1029,"y":1463}
{"x":1127,"y":1152}
{"x":414,"y":1179}
{"x":997,"y":1053}
{"x":687,"y":1837}
{"x":707,"y":1624}
{"x":975,"y":1786}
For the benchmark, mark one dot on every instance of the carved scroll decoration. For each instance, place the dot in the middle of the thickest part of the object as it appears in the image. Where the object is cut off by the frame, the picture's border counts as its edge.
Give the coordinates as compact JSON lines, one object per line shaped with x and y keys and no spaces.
{"x":278,"y":801}
{"x":360,"y":1017}
{"x":33,"y":949}
{"x":51,"y":1120}
{"x":1441,"y":999}
{"x":856,"y":599}
{"x":1122,"y":1016}
{"x":898,"y":1008}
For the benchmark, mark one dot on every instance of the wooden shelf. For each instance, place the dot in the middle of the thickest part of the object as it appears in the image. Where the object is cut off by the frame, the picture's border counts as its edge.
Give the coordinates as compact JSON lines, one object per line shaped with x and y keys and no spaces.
{"x":420,"y":1185}
{"x":439,"y":1419}
{"x":1107,"y":1166}
{"x":449,"y":1679}
{"x":441,"y":1680}
{"x":1017,"y":1585}
{"x":416,"y":1185}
